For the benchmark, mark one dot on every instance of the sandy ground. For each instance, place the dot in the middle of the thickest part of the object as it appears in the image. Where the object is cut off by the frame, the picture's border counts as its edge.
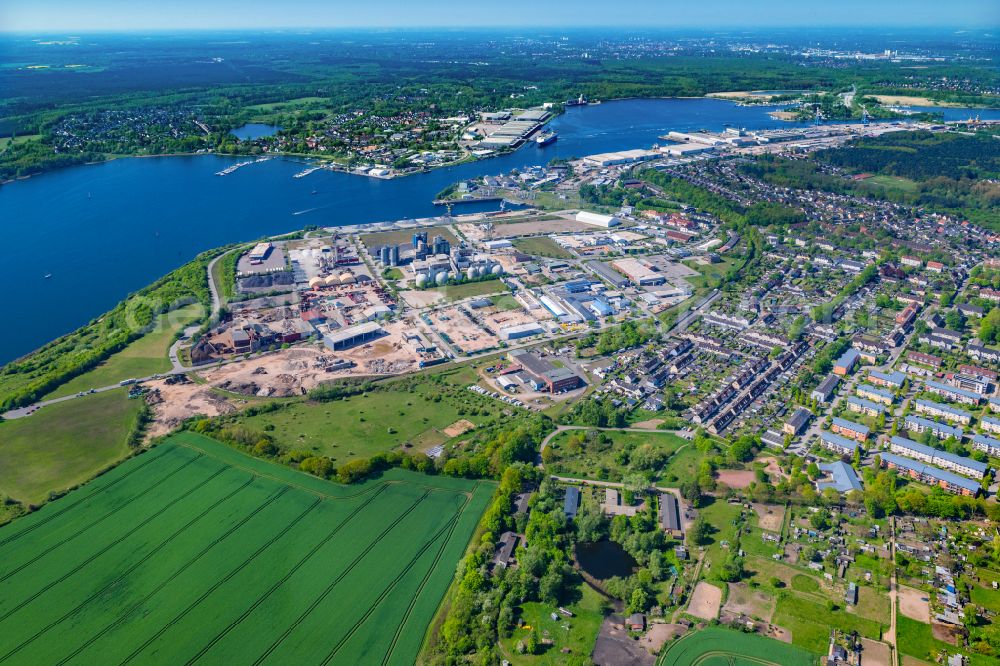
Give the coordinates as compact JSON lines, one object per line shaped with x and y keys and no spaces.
{"x":770,"y":516}
{"x":910,"y":100}
{"x":421,"y":298}
{"x":736,"y":478}
{"x":772,"y":468}
{"x":875,"y":653}
{"x":705,"y":601}
{"x":175,"y":403}
{"x":912,"y":604}
{"x":459,"y":427}
{"x":754,"y":603}
{"x":651,"y":424}
{"x":659,"y":634}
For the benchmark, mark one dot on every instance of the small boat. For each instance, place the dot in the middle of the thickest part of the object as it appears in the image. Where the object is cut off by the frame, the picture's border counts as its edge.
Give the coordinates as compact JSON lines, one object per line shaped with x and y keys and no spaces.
{"x":314,"y":192}
{"x":47,"y":276}
{"x":88,"y":195}
{"x":546,"y":138}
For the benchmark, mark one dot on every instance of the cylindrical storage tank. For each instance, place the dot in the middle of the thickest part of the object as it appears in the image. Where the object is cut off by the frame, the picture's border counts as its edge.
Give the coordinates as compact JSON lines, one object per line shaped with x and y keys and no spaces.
{"x":442,"y":277}
{"x":315,"y":282}
{"x":497,"y":269}
{"x":421,"y":280}
{"x":347,"y":277}
{"x":471,"y":273}
{"x":332,"y":281}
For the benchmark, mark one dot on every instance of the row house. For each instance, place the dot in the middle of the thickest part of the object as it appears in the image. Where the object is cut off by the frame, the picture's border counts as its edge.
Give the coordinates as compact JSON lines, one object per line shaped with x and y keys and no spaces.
{"x":947,"y":412}
{"x":944,"y":459}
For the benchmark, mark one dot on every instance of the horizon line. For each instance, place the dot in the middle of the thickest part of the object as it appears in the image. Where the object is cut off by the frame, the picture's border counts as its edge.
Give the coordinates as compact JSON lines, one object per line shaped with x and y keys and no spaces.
{"x":978,"y":28}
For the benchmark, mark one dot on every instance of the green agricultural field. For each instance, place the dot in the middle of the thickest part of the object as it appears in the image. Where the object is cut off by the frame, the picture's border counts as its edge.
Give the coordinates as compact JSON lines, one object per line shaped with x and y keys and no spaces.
{"x":144,"y":357}
{"x":195,"y":552}
{"x":592,"y":460}
{"x":542,"y":246}
{"x":63,"y":445}
{"x":363,"y":425}
{"x":724,"y":647}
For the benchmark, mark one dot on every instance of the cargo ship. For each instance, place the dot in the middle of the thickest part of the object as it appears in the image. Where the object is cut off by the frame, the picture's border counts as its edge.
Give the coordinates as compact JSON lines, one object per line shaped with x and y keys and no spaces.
{"x":545,"y":138}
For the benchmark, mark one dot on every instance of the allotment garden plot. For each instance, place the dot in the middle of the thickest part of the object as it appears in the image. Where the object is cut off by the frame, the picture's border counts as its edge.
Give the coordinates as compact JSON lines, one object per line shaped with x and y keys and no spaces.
{"x":193,"y":552}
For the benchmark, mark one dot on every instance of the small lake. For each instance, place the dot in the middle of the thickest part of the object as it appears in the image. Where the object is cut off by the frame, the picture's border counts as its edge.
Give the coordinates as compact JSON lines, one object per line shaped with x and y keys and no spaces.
{"x":604,"y":560}
{"x":255,"y":131}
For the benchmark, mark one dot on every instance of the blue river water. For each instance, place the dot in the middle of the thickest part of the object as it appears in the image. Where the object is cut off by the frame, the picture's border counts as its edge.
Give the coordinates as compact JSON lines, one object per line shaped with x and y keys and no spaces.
{"x":105,"y":230}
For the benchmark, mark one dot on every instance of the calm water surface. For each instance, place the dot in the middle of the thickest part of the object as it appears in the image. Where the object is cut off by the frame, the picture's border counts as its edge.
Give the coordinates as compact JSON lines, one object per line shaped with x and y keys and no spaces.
{"x":105,"y":230}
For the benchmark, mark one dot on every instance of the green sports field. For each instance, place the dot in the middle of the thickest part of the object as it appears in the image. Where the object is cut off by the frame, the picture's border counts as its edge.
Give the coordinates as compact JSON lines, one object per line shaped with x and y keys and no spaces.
{"x":193,"y":552}
{"x":725,"y":647}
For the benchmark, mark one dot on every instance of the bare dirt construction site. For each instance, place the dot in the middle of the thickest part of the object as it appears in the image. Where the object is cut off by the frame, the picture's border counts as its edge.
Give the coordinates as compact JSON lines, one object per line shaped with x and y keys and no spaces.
{"x":292,"y":372}
{"x":705,"y":601}
{"x":527,"y":228}
{"x":770,"y":516}
{"x":173,"y":403}
{"x":914,"y":605}
{"x":462,"y":331}
{"x":736,"y":478}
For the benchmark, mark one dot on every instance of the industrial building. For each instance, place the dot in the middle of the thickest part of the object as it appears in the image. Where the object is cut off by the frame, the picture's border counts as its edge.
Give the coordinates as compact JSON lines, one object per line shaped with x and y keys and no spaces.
{"x":352,"y":335}
{"x":544,"y":375}
{"x":597,"y":220}
{"x":620,"y":157}
{"x":520,"y":331}
{"x":638,"y":272}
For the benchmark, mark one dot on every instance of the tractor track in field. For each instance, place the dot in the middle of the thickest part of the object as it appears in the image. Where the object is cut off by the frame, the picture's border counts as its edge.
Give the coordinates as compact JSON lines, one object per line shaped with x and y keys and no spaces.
{"x":107,"y":515}
{"x":109,"y":546}
{"x":423,"y":583}
{"x":329,"y":588}
{"x":124,"y":616}
{"x":446,"y":529}
{"x":56,"y":514}
{"x":135,"y":566}
{"x":207,"y":593}
{"x":302,"y":561}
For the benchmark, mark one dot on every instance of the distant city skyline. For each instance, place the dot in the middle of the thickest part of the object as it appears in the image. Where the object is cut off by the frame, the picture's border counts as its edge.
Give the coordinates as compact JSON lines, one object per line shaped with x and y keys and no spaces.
{"x":125,"y":15}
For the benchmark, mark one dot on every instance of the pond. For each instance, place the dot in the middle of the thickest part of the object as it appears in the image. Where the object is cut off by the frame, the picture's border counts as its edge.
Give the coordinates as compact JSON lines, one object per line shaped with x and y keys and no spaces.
{"x":255,"y":131}
{"x":604,"y":560}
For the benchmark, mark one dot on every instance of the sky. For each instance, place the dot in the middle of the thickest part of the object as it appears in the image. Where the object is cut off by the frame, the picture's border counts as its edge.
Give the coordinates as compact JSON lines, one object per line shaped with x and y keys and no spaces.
{"x":137,"y":15}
